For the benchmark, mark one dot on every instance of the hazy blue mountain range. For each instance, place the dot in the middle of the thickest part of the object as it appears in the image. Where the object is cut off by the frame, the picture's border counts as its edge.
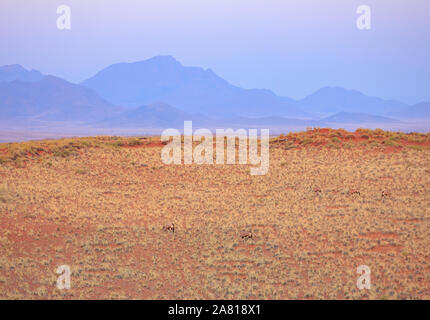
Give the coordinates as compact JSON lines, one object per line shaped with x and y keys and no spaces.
{"x":155,"y":115}
{"x":196,"y":90}
{"x":162,"y":115}
{"x":52,"y":98}
{"x":415,"y":112}
{"x":329,"y":100}
{"x":190,"y":89}
{"x":160,"y":92}
{"x":350,"y":117}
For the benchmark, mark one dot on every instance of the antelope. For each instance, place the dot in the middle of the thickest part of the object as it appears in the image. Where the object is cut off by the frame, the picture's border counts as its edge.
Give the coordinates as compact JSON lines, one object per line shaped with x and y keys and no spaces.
{"x":385,"y":194}
{"x":169,"y":228}
{"x":351,"y":192}
{"x":317,"y":190}
{"x":246,"y":235}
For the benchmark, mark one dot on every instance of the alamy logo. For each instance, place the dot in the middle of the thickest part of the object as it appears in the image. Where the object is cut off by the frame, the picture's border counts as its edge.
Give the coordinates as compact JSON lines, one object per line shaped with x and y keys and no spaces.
{"x":63,"y":281}
{"x":363,"y":281}
{"x":64,"y":21}
{"x":203,"y":153}
{"x":364,"y":20}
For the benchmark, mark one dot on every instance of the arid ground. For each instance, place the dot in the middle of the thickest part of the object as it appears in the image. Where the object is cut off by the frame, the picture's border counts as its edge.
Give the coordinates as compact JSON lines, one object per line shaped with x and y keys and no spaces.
{"x":332,"y":200}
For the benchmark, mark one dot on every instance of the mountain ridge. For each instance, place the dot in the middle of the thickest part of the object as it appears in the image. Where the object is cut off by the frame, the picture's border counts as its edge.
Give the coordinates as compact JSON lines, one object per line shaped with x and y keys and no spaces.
{"x":51,"y":98}
{"x":331,"y":100}
{"x":13,"y":72}
{"x":354,"y":117}
{"x":192,"y":89}
{"x":28,"y":94}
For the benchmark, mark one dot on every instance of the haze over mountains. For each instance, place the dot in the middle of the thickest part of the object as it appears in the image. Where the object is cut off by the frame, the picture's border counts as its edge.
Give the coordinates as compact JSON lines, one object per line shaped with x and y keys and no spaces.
{"x":415,"y":112}
{"x":353,"y":117}
{"x":191,"y":89}
{"x":51,"y":98}
{"x":154,"y":115}
{"x":161,"y":93}
{"x":330,"y":100}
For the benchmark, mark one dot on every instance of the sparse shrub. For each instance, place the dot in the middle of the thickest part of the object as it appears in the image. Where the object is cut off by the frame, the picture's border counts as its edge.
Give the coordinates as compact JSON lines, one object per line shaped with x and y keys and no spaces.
{"x":117,"y":144}
{"x":305,"y":141}
{"x":394,"y":138}
{"x":319,"y":141}
{"x":19,"y":163}
{"x":373,"y":143}
{"x":4,"y":193}
{"x":290,"y":146}
{"x":332,"y":145}
{"x":348,"y":145}
{"x":419,"y":148}
{"x":61,"y":153}
{"x":87,"y":144}
{"x":335,"y":134}
{"x":378,"y":132}
{"x":391,"y":143}
{"x":134,"y":142}
{"x":364,"y":131}
{"x":416,"y":138}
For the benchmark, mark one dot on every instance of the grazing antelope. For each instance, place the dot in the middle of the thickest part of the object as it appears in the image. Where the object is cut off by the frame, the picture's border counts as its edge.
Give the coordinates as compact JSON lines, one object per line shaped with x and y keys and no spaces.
{"x":170,"y":228}
{"x":246,"y":235}
{"x":351,"y":192}
{"x":317,"y":190}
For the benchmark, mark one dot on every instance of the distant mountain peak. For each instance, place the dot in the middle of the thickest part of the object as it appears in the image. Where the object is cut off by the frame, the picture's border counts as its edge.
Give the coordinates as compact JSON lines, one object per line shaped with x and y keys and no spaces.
{"x":329,"y":100}
{"x":417,"y":111}
{"x":337,"y":90}
{"x":14,"y":72}
{"x":51,"y":98}
{"x":191,"y":89}
{"x":165,"y":60}
{"x":13,"y":67}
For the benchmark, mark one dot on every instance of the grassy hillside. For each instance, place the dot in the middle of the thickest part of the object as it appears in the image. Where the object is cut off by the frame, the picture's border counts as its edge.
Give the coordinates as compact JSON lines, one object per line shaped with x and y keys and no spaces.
{"x":331,"y":201}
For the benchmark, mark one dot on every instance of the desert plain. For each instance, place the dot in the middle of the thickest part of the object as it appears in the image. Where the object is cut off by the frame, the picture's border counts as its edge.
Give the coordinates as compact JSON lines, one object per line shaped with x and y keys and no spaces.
{"x":331,"y":201}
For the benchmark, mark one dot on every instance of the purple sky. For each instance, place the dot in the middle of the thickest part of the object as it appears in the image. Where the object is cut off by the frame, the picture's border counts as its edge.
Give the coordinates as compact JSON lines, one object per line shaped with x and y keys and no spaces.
{"x":293,"y":47}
